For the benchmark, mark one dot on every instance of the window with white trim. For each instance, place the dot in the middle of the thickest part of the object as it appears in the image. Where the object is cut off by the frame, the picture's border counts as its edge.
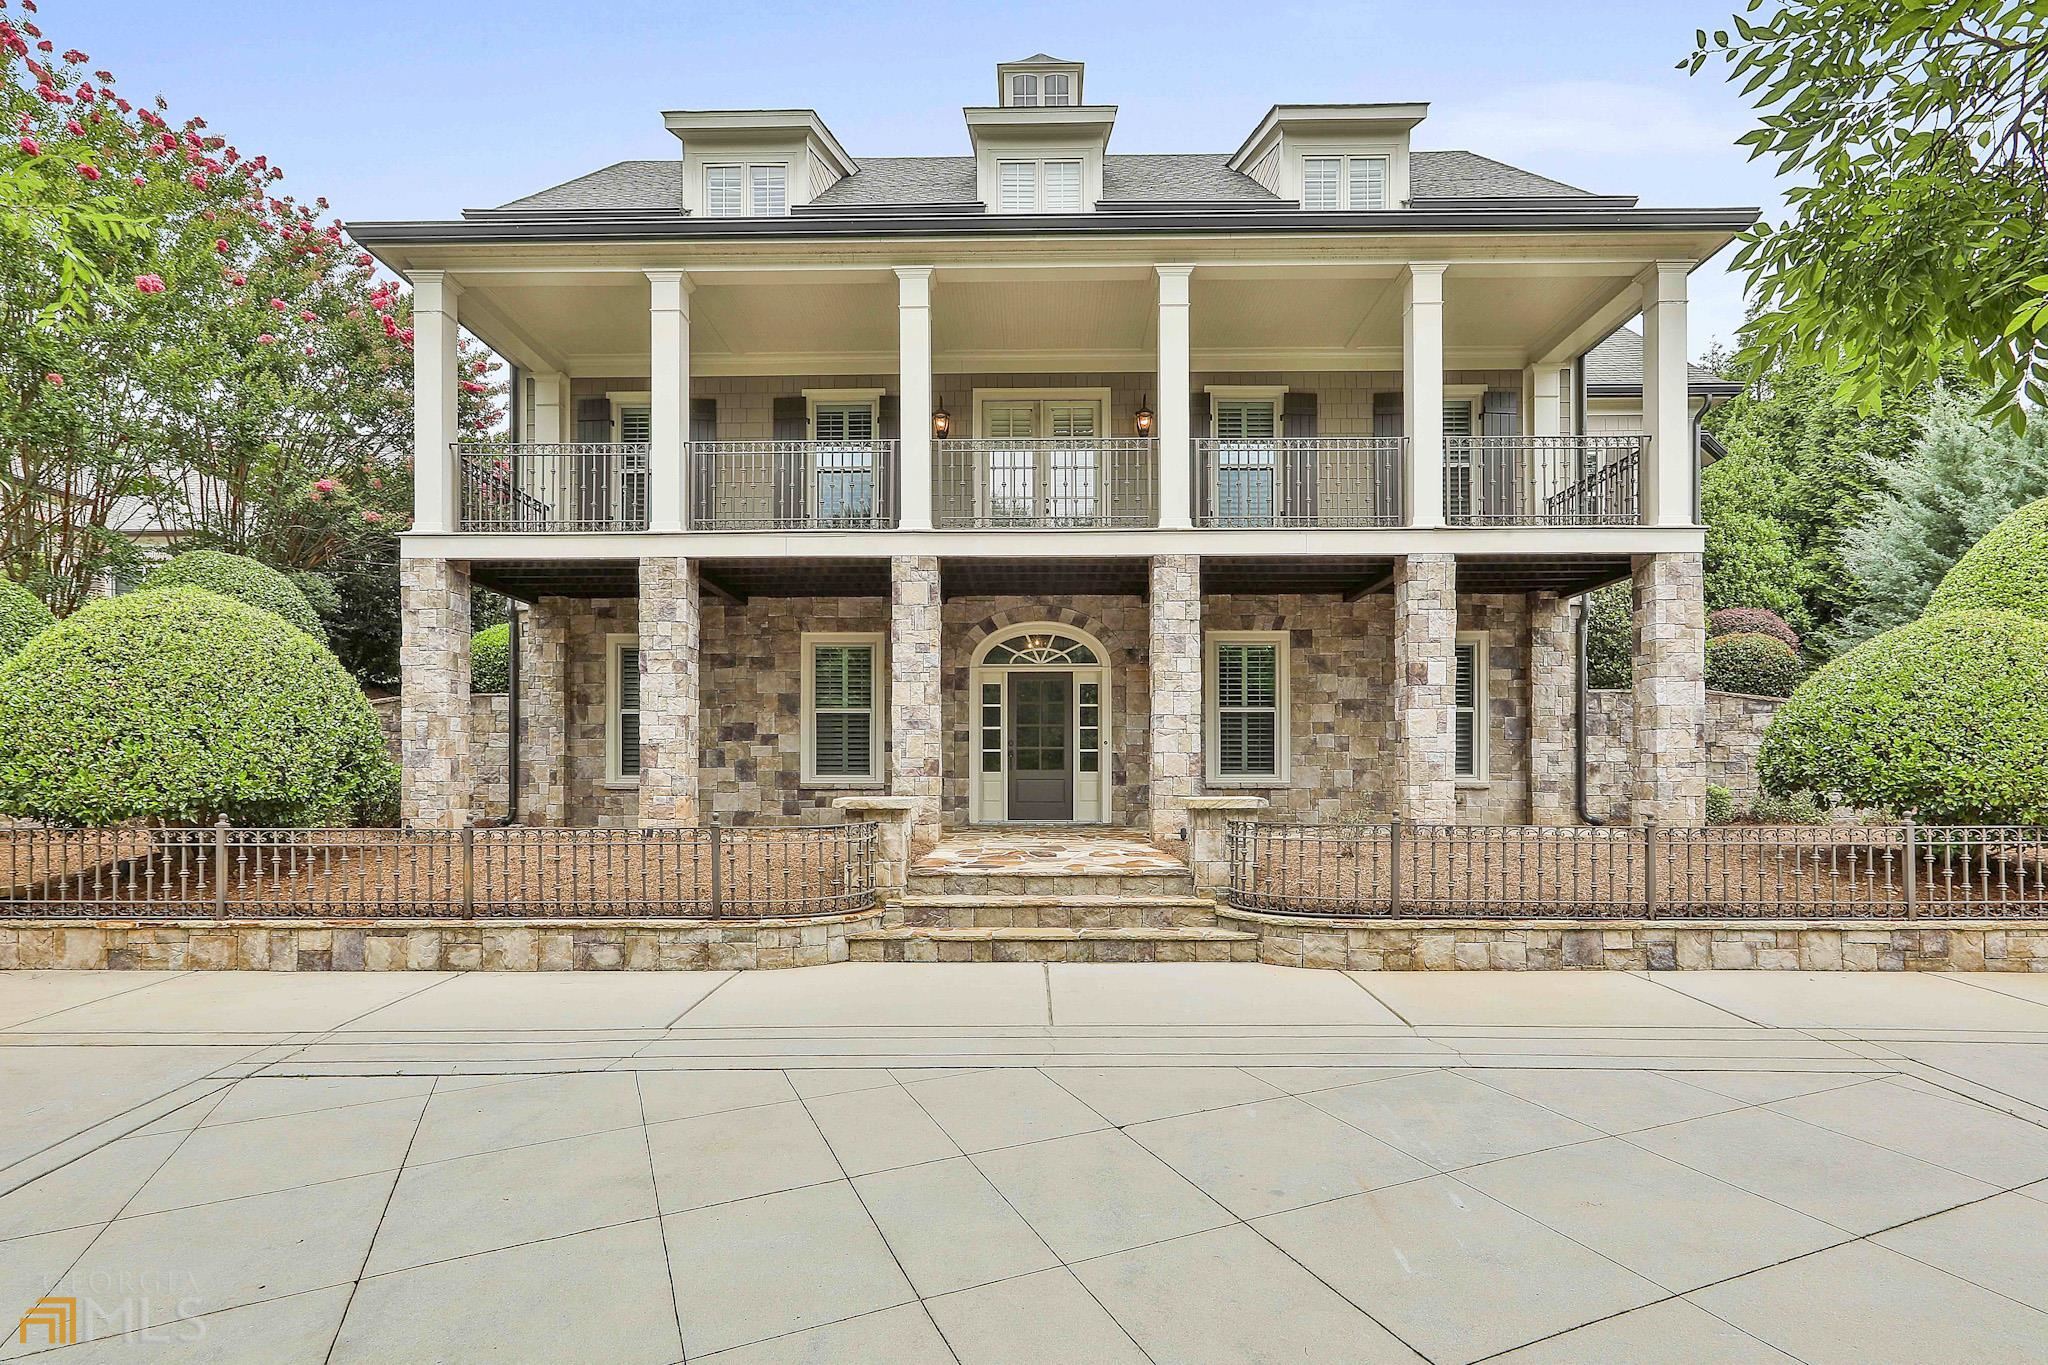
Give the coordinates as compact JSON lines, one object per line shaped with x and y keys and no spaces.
{"x":1247,"y":708}
{"x":622,"y":729}
{"x":1056,"y":89}
{"x":1461,"y":425}
{"x":843,"y":462}
{"x":1340,"y":182}
{"x":841,"y":720}
{"x":1048,"y":186}
{"x":1023,"y":91}
{"x":1247,"y":460}
{"x":636,"y":430}
{"x":759,"y":190}
{"x":1469,"y":708}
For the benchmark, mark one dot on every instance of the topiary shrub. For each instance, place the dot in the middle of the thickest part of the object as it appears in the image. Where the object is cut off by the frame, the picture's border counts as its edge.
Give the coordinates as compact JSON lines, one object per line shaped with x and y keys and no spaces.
{"x":1761,"y":665}
{"x":1720,"y":805}
{"x":240,"y":578}
{"x":22,"y":617}
{"x":490,"y":659}
{"x":1610,"y":637}
{"x":184,"y":706}
{"x":2005,"y":571}
{"x":1942,"y":719}
{"x":1752,"y":621}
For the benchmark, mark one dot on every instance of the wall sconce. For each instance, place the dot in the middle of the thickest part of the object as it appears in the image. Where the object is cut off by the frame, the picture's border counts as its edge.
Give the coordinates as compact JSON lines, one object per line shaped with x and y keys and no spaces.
{"x":1143,"y":418}
{"x":942,"y":422}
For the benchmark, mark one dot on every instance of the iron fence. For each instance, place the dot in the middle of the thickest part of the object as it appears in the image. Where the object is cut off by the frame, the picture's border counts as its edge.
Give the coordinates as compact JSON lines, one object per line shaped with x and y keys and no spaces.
{"x":1542,"y":480}
{"x":1905,"y":871}
{"x":1335,"y":481}
{"x":500,"y":872}
{"x":579,"y":486}
{"x":1047,"y":482}
{"x":783,"y":485}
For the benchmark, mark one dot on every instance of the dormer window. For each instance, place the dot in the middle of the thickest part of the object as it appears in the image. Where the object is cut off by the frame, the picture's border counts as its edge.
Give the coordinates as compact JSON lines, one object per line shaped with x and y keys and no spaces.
{"x":1038,"y":186}
{"x":760,"y":190}
{"x":1022,"y":88}
{"x":1343,"y":182}
{"x":1056,"y":89}
{"x":1023,"y":91}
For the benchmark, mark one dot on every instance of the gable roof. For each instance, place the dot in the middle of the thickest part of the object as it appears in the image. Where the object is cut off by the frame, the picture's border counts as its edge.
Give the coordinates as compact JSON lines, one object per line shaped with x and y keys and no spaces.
{"x":1614,"y":368}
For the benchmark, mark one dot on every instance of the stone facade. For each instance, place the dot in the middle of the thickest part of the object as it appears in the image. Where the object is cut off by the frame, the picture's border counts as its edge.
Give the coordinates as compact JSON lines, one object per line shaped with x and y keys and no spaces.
{"x":1425,"y":622}
{"x":1670,"y":689}
{"x":1734,"y":734}
{"x":433,"y":665}
{"x":544,"y":711}
{"x":914,"y":687}
{"x":669,"y":723}
{"x":1553,"y":704}
{"x":1176,"y":693}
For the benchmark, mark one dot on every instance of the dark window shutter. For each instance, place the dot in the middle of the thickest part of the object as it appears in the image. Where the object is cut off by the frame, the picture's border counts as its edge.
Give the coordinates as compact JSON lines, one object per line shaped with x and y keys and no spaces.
{"x":1500,"y":486}
{"x":1198,"y":430}
{"x":703,"y":463}
{"x":589,"y":487}
{"x":703,"y":419}
{"x":1298,"y":420}
{"x":792,"y":423}
{"x":593,"y":419}
{"x":889,"y":426}
{"x":1386,"y":421}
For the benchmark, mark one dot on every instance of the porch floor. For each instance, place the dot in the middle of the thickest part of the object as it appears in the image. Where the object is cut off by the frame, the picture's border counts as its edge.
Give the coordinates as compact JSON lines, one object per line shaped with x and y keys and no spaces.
{"x":1047,"y":851}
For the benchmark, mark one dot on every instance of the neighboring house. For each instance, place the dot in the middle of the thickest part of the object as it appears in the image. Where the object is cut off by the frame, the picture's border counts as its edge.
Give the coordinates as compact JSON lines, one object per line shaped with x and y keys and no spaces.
{"x":1052,"y":484}
{"x":1613,"y":391}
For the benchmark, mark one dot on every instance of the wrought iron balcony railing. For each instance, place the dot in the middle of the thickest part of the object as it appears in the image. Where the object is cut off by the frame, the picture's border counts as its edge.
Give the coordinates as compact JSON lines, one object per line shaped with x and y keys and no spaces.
{"x":1335,"y":481}
{"x":579,"y":486}
{"x":1047,"y":482}
{"x":793,"y":485}
{"x":1542,"y":480}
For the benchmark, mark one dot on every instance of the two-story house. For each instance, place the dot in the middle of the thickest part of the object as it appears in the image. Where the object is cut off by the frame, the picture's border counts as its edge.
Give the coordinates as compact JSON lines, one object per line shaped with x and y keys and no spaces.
{"x":1047,"y":483}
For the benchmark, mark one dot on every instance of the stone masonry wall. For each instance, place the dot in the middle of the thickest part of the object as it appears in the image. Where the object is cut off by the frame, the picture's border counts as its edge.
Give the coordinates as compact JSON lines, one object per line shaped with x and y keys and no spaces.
{"x":1735,"y":732}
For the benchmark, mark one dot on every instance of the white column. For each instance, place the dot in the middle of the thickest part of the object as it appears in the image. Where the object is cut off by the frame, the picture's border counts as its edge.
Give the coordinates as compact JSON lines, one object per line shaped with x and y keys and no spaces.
{"x":1422,"y":396}
{"x":1176,"y":484}
{"x":1546,"y":400}
{"x":668,"y":397}
{"x":914,"y":402}
{"x":550,"y":407}
{"x":433,"y":401}
{"x":1665,"y":487}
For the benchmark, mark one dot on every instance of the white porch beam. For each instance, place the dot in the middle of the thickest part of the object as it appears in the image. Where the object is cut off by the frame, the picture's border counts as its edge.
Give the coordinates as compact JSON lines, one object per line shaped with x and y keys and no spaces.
{"x":1422,"y":383}
{"x":433,"y":400}
{"x":668,"y":394}
{"x":914,"y":396}
{"x":1176,"y":484}
{"x":1665,"y":491}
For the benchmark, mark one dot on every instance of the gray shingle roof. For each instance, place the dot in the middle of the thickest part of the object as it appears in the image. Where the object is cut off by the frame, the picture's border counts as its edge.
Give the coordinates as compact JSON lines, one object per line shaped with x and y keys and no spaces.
{"x":1619,"y":361}
{"x":1200,"y":177}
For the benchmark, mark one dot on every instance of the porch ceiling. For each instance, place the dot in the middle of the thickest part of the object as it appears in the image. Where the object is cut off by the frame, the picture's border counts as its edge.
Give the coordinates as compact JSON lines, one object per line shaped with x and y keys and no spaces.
{"x":1565,"y":576}
{"x":1308,"y":576}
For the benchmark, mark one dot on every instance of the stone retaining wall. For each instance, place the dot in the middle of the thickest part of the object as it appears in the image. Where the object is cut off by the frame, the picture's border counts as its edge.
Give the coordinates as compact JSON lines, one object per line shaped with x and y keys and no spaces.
{"x":1646,"y":945}
{"x":436,"y":946}
{"x":1736,"y":723}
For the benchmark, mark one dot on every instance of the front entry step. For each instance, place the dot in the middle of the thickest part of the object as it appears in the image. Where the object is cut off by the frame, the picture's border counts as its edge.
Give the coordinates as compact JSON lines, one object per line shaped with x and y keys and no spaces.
{"x":916,"y":944}
{"x":1039,"y":862}
{"x":1052,"y":912}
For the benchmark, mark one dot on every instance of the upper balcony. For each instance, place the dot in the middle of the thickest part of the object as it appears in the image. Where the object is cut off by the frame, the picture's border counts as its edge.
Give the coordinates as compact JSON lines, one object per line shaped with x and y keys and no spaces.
{"x":1227,"y":399}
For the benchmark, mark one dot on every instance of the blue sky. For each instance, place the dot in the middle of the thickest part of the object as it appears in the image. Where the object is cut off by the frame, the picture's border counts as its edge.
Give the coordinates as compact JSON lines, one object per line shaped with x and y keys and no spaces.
{"x":421,"y":109}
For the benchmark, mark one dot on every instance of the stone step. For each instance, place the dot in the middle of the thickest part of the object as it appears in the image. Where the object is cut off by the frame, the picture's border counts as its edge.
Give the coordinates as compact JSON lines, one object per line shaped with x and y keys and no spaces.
{"x":1053,"y":912}
{"x":969,"y":882}
{"x":921,"y":944}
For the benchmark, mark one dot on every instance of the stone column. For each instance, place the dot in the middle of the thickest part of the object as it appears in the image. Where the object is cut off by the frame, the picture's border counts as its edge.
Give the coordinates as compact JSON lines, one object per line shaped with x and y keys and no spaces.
{"x":1553,"y":708}
{"x":914,"y":383}
{"x":914,"y":715}
{"x":434,"y":426}
{"x":668,"y":692}
{"x":544,"y":712}
{"x":1176,"y":477}
{"x":1670,"y":689}
{"x":1422,"y":396}
{"x":1666,"y":476}
{"x":433,"y":680}
{"x":1425,"y":680}
{"x":1176,"y":672}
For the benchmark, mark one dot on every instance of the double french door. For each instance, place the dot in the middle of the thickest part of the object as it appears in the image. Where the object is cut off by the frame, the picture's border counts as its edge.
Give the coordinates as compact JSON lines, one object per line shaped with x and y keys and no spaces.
{"x":1042,"y":461}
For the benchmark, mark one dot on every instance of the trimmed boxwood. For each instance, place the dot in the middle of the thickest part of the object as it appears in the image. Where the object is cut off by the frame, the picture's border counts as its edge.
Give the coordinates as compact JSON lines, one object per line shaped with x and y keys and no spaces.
{"x":2005,"y":571}
{"x":183,"y":705}
{"x":1752,"y":621}
{"x":490,"y":659}
{"x":1720,"y":805}
{"x":1761,"y":665}
{"x":240,"y":578}
{"x":1942,"y":719}
{"x":22,"y":617}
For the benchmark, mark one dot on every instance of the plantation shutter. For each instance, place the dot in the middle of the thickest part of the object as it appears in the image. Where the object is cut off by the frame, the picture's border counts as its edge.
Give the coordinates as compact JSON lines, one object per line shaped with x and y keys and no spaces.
{"x":768,"y":191}
{"x":1368,"y":182}
{"x":1247,"y":709}
{"x":791,"y":425}
{"x":628,"y":718}
{"x":1298,"y":425}
{"x":1062,"y":186}
{"x":1466,"y":711}
{"x":1500,"y":468}
{"x":636,"y":429}
{"x":843,"y":710}
{"x":1319,"y":181}
{"x":722,"y":191}
{"x":1459,"y":502}
{"x":1016,"y":186}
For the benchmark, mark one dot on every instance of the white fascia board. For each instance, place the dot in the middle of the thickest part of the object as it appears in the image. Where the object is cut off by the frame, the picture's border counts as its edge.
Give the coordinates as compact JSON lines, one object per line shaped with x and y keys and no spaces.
{"x":1069,"y":120}
{"x":1329,"y":118}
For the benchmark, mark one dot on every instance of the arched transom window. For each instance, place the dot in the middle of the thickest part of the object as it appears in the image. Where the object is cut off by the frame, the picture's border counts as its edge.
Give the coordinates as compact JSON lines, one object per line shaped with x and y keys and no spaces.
{"x":1041,"y":649}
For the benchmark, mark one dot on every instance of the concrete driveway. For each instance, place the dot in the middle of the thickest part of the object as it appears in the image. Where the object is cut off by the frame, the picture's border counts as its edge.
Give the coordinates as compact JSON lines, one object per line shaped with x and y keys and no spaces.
{"x":1022,"y":1163}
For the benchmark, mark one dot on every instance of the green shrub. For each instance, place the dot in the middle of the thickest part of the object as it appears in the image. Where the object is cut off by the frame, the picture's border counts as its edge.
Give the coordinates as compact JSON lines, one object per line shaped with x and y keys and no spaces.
{"x":319,"y":592}
{"x":1942,"y":719}
{"x":22,"y":616}
{"x":1610,"y":636}
{"x":1761,"y":665}
{"x":2005,"y":571}
{"x":490,"y":659}
{"x":183,"y":705}
{"x":242,"y":579}
{"x":1720,"y":805}
{"x":1799,"y":809}
{"x":1752,"y":621}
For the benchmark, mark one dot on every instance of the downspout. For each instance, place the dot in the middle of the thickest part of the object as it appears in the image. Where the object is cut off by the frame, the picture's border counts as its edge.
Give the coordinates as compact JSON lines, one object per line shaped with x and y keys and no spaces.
{"x":512,"y":716}
{"x":1579,"y":726}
